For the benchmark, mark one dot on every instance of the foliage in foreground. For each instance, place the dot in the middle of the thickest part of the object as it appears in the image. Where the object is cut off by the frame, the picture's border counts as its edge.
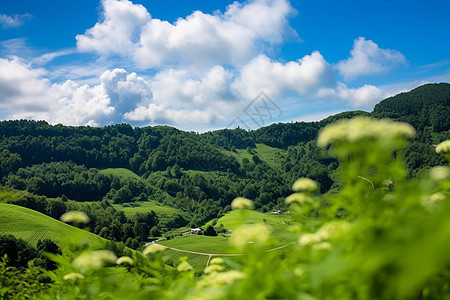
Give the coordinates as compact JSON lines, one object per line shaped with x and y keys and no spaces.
{"x":382,"y":237}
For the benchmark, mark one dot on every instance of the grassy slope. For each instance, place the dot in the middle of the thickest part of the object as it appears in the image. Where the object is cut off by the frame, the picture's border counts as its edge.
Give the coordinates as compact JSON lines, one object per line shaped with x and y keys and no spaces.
{"x":197,"y":243}
{"x":147,"y":206}
{"x":200,"y":243}
{"x":234,"y":218}
{"x":266,"y":153}
{"x":31,"y":226}
{"x":120,"y":172}
{"x":219,"y":244}
{"x":143,"y":206}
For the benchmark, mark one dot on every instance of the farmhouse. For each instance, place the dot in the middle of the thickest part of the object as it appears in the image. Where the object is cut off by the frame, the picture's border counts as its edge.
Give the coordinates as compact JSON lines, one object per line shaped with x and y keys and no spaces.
{"x":195,"y":231}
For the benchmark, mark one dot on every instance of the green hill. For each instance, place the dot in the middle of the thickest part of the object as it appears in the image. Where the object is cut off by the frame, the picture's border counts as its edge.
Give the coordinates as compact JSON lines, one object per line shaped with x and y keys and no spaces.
{"x":214,"y":246}
{"x":120,"y":172}
{"x":32,"y":226}
{"x":188,"y":178}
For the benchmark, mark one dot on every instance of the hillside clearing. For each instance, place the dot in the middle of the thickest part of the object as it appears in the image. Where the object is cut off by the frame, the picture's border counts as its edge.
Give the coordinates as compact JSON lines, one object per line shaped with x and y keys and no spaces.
{"x":32,"y":226}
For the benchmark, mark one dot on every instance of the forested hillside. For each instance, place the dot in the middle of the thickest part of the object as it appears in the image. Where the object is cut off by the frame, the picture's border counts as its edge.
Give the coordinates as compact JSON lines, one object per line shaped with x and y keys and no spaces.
{"x":198,"y":174}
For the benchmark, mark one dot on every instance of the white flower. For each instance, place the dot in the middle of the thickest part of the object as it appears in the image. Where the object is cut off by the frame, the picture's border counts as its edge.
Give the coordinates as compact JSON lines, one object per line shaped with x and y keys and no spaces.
{"x":213,"y":268}
{"x":305,"y":185}
{"x":184,"y":267}
{"x":153,"y":248}
{"x":322,"y":246}
{"x":334,"y":229}
{"x":75,"y":217}
{"x":125,"y":260}
{"x":430,"y":202}
{"x":439,"y":173}
{"x":242,"y":203}
{"x":217,"y":279}
{"x":298,"y":198}
{"x":309,"y":239}
{"x":443,"y":147}
{"x":329,"y":230}
{"x":258,"y":234}
{"x":73,"y":277}
{"x":94,"y":260}
{"x":360,"y":128}
{"x":216,"y":261}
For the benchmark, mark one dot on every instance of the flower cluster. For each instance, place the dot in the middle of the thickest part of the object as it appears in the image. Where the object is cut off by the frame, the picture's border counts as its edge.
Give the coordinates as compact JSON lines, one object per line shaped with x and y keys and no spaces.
{"x":443,"y":147}
{"x":298,"y":198}
{"x":430,"y":202}
{"x":184,"y":267}
{"x":94,"y":260}
{"x":125,"y":260}
{"x":153,"y":248}
{"x":73,"y":277}
{"x":361,"y":128}
{"x":73,"y":216}
{"x":329,"y":230}
{"x":242,"y":203}
{"x":305,"y":185}
{"x":258,"y":234}
{"x":439,"y":173}
{"x":216,"y":279}
{"x":213,"y":268}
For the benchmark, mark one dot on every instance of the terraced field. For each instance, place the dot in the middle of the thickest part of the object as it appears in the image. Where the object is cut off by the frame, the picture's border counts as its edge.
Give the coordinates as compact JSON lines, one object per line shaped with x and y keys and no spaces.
{"x":32,"y":226}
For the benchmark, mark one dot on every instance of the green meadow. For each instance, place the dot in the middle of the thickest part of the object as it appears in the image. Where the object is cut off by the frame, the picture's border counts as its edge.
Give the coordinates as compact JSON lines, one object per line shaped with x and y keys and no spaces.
{"x":33,"y":226}
{"x":219,"y":244}
{"x":120,"y":172}
{"x":148,"y":206}
{"x":266,"y":153}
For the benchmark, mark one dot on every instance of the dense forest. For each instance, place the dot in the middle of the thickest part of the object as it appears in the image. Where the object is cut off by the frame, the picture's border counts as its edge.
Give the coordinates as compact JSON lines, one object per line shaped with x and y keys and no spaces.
{"x":60,"y":168}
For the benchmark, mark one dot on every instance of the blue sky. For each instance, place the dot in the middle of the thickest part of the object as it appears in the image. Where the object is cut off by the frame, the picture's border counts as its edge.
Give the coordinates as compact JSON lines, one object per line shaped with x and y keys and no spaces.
{"x":198,"y":65}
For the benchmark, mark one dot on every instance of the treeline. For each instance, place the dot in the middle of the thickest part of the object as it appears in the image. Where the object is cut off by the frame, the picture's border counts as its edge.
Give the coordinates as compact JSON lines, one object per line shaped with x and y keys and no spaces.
{"x":76,"y":182}
{"x":19,"y":253}
{"x":196,"y":172}
{"x":104,"y":219}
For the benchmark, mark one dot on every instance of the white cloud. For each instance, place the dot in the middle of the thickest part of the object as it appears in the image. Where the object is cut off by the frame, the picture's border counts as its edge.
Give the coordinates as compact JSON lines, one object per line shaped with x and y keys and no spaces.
{"x":13,"y":21}
{"x":118,"y":31}
{"x":179,"y":98}
{"x":22,"y":87}
{"x":276,"y":79}
{"x":48,"y":57}
{"x":26,"y":93}
{"x":367,"y":58}
{"x":362,"y":97}
{"x":232,"y":37}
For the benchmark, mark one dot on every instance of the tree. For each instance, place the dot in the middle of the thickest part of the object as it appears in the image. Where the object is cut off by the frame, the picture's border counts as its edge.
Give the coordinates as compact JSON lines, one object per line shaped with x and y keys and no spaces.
{"x":18,"y":251}
{"x":154,"y":232}
{"x":176,"y":171}
{"x":210,"y":231}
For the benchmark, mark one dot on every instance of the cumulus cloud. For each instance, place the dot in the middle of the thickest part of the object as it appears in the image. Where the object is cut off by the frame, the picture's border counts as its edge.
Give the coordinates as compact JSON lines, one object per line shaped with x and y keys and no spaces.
{"x":276,"y":79}
{"x":175,"y":97}
{"x":27,"y":93}
{"x":361,"y":97}
{"x":231,"y":37}
{"x":367,"y":58}
{"x":13,"y":21}
{"x":22,"y":87}
{"x":179,"y":98}
{"x":118,"y":31}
